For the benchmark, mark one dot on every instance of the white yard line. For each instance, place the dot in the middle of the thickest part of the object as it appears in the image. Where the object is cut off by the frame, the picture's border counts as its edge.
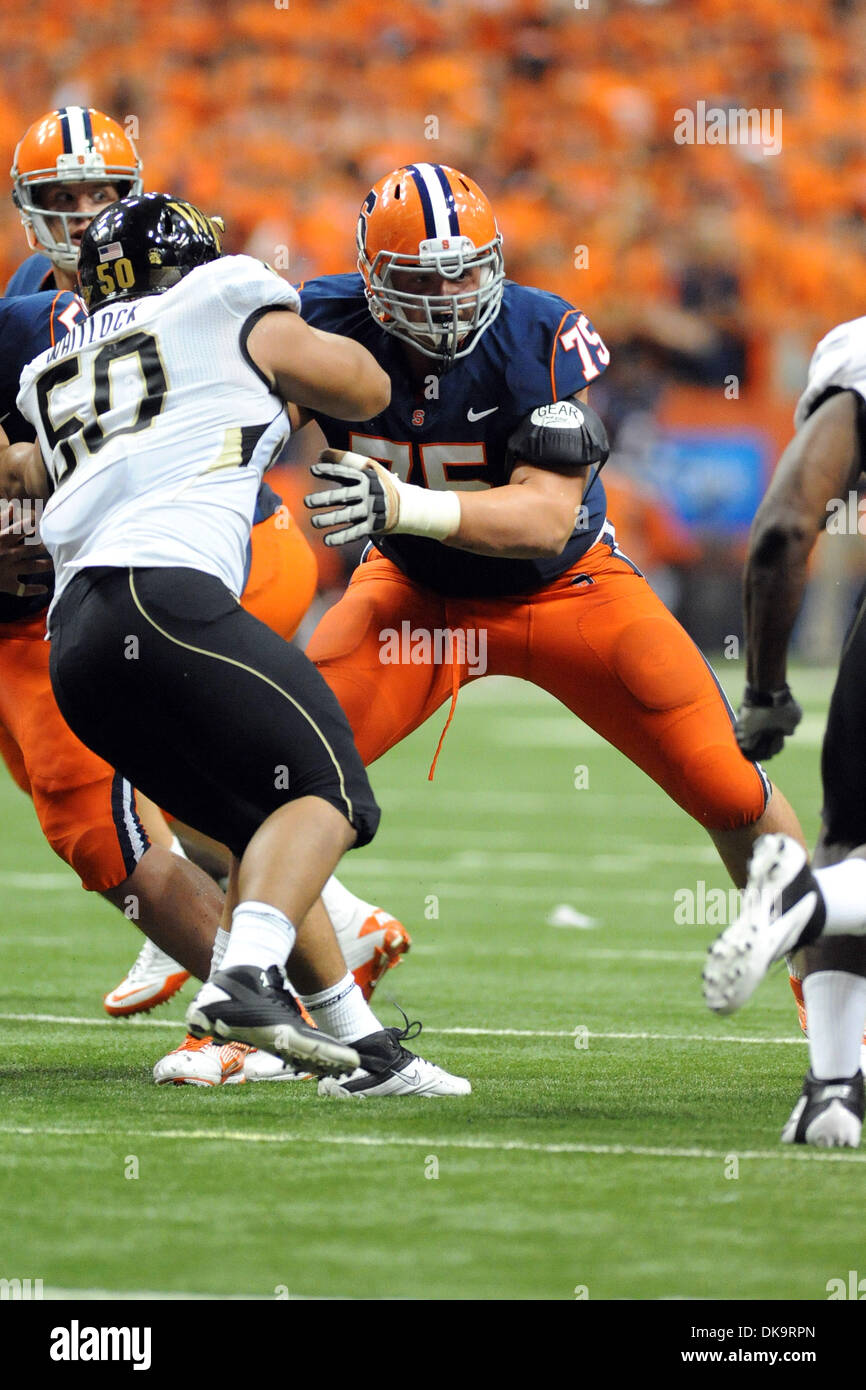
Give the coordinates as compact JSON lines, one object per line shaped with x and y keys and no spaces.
{"x":246,"y":1136}
{"x":55,"y":1294}
{"x":464,"y":952}
{"x":177,"y":1026}
{"x":30,"y":883}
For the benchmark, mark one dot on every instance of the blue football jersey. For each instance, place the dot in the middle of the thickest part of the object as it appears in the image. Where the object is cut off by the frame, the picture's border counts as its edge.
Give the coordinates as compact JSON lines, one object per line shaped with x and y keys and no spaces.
{"x":32,"y":275}
{"x":452,"y":430}
{"x":29,"y":324}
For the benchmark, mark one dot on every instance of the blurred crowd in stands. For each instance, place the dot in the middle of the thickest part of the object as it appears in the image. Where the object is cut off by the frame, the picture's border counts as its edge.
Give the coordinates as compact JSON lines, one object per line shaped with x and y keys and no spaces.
{"x":699,"y":262}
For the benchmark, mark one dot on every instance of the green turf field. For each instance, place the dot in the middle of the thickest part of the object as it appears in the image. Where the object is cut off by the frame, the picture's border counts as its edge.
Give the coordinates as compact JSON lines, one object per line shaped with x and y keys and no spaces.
{"x":601,"y":1160}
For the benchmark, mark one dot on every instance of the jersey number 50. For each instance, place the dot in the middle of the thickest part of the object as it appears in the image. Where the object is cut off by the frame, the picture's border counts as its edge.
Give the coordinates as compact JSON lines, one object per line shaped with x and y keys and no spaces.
{"x":91,"y":437}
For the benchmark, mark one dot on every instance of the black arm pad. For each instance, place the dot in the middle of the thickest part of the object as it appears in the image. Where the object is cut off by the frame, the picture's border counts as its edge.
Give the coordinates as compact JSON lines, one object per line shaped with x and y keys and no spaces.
{"x":563,"y":438}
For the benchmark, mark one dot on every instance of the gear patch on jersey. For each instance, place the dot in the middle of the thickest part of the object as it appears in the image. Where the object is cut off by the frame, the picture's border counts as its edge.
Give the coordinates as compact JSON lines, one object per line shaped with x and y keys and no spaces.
{"x":563,"y":437}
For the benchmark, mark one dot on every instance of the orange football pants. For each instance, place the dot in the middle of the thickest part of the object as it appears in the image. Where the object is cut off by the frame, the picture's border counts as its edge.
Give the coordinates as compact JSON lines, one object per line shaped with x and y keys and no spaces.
{"x":597,"y":638}
{"x":86,"y":811}
{"x":283,"y":574}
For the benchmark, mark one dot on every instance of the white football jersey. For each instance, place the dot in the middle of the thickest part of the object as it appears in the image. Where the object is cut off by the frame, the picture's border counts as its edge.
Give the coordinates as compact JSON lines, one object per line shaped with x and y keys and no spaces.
{"x":156,"y":426}
{"x":838,"y":363}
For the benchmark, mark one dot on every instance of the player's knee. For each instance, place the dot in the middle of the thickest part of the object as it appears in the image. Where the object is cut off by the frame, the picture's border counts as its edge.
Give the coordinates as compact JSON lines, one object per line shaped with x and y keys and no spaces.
{"x":658,"y":663}
{"x":78,"y":825}
{"x":721,"y":790}
{"x":92,"y":851}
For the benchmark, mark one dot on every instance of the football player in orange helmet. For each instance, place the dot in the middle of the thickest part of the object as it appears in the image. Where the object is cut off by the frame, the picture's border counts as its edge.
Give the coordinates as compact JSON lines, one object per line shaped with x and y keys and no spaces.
{"x":486,"y":512}
{"x":438,"y":292}
{"x":69,"y":165}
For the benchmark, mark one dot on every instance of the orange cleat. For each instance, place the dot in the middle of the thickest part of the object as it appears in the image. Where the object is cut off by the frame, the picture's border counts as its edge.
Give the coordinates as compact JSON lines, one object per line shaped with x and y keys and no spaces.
{"x":202,"y":1062}
{"x":378,"y":947}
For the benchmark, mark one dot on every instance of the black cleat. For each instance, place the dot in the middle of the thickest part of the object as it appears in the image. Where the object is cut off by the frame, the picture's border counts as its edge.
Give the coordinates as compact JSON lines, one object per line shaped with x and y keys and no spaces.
{"x":829,"y":1114}
{"x":254,"y":1006}
{"x":390,"y":1069}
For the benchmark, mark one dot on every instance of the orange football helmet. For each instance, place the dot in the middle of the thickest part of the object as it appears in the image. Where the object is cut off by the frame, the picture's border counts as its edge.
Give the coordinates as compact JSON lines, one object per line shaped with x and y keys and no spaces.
{"x":73,"y":145}
{"x":435,"y":223}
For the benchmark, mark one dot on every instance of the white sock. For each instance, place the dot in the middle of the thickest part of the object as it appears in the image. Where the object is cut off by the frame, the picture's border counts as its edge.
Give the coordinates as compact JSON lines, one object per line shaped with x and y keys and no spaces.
{"x":261,"y":935}
{"x":836,"y":1013}
{"x":344,"y":908}
{"x":843,"y":887}
{"x":177,"y":848}
{"x":220,"y":946}
{"x":342,"y":1011}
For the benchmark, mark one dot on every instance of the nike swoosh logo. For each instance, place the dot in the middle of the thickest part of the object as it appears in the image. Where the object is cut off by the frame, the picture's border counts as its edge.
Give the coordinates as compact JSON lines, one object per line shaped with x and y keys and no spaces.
{"x":118,"y":998}
{"x":473,"y":415}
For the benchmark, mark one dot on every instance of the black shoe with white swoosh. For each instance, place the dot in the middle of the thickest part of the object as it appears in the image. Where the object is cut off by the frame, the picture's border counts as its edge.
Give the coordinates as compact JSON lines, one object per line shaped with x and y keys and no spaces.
{"x":829,"y":1114}
{"x":254,"y":1006}
{"x":390,"y":1069}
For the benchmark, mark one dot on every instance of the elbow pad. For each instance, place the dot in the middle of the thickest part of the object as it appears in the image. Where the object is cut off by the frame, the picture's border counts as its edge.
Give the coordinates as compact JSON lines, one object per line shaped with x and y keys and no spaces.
{"x":563,"y":438}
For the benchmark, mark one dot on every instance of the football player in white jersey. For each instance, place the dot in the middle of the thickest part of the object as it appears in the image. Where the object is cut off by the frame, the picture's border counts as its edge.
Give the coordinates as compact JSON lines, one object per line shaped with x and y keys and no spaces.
{"x":68,"y":165}
{"x":818,"y":914}
{"x":157,"y":419}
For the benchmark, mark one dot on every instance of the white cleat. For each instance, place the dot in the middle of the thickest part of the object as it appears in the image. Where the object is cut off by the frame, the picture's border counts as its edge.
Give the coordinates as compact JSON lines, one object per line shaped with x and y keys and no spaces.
{"x":264,"y":1066}
{"x":389,"y":1069}
{"x":782,"y":909}
{"x":152,"y":979}
{"x":203,"y":1062}
{"x":829,"y":1114}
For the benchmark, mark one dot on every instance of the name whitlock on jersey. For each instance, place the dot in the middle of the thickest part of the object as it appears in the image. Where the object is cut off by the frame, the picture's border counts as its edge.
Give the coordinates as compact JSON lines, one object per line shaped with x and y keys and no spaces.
{"x":156,"y":427}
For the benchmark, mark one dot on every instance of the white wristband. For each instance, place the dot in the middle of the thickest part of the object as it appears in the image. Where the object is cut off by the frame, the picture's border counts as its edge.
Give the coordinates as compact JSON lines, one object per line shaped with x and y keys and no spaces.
{"x":425,"y":513}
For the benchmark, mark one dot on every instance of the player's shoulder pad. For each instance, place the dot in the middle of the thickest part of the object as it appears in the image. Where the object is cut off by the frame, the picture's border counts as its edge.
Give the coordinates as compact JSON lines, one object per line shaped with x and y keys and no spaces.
{"x":561,"y":438}
{"x":331,"y":299}
{"x":245,"y":285}
{"x":838,"y":364}
{"x":27,"y":279}
{"x":32,"y":323}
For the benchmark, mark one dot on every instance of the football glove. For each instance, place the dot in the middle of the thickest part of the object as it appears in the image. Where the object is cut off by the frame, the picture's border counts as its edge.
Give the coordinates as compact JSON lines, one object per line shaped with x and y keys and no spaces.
{"x":369,"y":501}
{"x":764,"y":722}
